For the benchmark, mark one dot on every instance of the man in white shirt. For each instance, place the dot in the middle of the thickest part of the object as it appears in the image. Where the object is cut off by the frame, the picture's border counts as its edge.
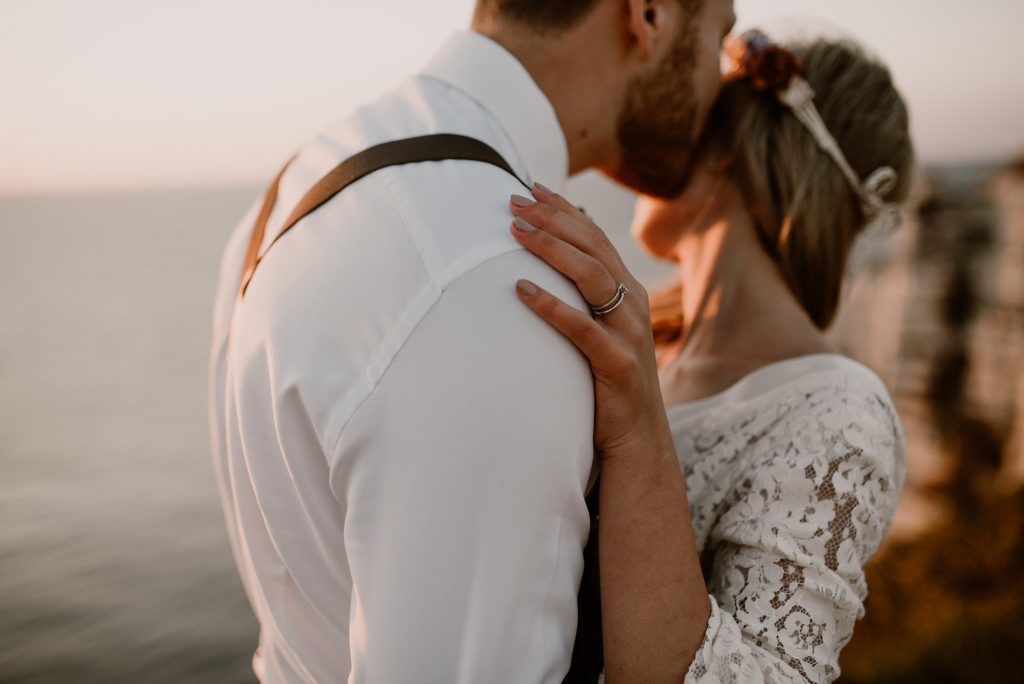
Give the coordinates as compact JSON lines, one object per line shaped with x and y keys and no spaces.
{"x":402,"y":448}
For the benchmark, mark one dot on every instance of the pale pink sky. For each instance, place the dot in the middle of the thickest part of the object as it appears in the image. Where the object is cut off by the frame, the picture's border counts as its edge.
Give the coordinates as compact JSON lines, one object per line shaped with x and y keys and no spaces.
{"x":102,"y":94}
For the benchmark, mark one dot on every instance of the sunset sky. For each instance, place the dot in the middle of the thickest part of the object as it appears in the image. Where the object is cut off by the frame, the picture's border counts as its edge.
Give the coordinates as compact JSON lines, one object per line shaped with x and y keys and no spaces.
{"x":105,"y":94}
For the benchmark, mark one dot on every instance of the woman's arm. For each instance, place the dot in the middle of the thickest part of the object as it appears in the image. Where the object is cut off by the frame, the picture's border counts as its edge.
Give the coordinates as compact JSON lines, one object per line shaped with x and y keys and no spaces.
{"x":655,"y":607}
{"x":787,"y":578}
{"x":811,"y":507}
{"x":654,"y":604}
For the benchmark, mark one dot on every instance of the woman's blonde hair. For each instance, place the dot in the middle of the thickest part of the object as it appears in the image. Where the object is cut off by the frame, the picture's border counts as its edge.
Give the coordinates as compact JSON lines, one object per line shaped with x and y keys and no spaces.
{"x":804,"y":208}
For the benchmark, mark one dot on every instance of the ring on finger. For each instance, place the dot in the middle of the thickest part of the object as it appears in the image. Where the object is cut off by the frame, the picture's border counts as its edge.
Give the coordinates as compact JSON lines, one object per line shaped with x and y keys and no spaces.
{"x":613,"y":303}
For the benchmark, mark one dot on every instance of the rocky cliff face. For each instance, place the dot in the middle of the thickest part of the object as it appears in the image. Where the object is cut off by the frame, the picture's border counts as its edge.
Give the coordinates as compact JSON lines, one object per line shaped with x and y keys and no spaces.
{"x":939,"y":313}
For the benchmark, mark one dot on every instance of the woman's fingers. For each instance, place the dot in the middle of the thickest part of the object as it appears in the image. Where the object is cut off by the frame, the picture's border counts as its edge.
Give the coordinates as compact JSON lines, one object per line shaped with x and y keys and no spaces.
{"x":593,"y":340}
{"x":572,"y":227}
{"x":548,"y":196}
{"x":594,"y":281}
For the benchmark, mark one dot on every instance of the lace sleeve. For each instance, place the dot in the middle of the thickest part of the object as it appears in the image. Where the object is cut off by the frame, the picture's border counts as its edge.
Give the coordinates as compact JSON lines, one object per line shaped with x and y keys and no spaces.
{"x":788,"y":550}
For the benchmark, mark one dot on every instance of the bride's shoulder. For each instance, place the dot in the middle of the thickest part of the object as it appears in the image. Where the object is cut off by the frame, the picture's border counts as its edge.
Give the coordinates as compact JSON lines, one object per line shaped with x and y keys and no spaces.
{"x":799,"y":394}
{"x":839,"y":389}
{"x":838,"y":411}
{"x":827,"y":465}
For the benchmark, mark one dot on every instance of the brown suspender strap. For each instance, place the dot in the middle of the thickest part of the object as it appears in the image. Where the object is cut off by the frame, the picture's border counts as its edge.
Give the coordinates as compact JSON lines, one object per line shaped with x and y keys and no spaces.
{"x":395,"y":153}
{"x":252,"y":256}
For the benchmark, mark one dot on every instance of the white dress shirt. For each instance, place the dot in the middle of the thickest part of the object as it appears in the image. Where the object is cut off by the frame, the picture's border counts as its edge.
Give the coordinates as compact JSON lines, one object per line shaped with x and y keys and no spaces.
{"x":402,"y":447}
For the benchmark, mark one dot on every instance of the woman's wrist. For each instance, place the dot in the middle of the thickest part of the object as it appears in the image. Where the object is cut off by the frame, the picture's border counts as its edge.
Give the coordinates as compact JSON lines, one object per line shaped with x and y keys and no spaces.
{"x":648,"y":444}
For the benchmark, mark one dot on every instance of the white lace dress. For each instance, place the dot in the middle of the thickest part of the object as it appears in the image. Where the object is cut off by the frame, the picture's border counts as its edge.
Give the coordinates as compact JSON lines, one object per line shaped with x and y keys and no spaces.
{"x":793,"y":475}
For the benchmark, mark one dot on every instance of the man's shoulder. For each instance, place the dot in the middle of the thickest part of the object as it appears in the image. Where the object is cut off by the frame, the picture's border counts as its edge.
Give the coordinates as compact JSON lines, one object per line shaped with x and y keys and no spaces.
{"x":453,"y":213}
{"x":401,"y":227}
{"x":380,"y":251}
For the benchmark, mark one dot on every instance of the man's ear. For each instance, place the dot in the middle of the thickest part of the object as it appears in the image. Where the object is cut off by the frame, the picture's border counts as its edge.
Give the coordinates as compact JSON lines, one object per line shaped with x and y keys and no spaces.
{"x":641,"y":23}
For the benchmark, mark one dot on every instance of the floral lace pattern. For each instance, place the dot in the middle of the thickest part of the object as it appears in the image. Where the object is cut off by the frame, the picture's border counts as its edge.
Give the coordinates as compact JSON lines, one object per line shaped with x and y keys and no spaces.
{"x":791,"y":492}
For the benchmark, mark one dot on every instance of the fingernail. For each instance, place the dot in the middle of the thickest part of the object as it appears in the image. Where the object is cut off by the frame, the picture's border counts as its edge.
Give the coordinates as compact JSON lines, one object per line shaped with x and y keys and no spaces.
{"x":526,"y":288}
{"x":543,"y":188}
{"x":521,"y":201}
{"x":522,"y":225}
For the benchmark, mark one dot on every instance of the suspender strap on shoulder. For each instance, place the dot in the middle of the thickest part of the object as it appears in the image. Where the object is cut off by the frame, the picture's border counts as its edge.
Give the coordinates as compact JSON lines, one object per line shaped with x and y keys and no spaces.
{"x":436,"y":147}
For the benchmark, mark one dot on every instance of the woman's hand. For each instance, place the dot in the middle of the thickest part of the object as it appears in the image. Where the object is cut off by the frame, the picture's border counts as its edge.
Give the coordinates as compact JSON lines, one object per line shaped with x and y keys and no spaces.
{"x":629,"y":410}
{"x":654,"y":604}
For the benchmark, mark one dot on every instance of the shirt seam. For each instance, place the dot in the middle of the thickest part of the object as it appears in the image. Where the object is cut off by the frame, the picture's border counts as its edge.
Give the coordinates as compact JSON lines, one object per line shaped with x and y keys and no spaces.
{"x":427,"y":257}
{"x":439,"y":277}
{"x":547,"y":597}
{"x":438,"y":292}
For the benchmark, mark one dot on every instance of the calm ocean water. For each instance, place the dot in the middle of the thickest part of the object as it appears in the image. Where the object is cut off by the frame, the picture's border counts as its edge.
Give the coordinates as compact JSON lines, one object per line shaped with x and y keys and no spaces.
{"x":114,"y":563}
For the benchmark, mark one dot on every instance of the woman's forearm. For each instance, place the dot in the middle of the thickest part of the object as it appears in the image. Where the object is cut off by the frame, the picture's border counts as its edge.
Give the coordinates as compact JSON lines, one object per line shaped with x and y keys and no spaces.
{"x":655,"y":605}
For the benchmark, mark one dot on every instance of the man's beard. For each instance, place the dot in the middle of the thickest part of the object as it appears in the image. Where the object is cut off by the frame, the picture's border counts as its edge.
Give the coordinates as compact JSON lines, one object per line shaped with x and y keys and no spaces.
{"x":657,"y":129}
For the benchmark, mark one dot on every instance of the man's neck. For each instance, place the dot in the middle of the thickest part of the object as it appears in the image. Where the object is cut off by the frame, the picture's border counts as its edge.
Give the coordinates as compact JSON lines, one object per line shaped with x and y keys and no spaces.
{"x":575,"y":85}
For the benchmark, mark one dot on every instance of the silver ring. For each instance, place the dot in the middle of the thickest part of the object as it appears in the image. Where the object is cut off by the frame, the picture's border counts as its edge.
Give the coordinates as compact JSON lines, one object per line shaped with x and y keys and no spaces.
{"x":613,"y":303}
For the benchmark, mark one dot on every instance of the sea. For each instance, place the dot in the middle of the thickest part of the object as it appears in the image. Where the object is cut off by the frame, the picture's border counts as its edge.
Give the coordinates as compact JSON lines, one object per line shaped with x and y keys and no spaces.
{"x":114,"y":562}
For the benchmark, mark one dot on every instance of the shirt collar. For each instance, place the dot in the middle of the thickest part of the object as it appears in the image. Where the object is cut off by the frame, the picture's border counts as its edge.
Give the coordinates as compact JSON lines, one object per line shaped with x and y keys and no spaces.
{"x":495,"y":79}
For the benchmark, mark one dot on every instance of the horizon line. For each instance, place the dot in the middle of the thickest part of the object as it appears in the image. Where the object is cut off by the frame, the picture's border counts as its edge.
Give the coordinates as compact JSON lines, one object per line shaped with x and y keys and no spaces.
{"x":980,"y":163}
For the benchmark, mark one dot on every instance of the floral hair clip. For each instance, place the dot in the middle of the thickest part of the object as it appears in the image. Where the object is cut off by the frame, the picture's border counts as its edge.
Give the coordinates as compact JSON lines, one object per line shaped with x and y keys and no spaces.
{"x":772,"y":68}
{"x":768,"y":66}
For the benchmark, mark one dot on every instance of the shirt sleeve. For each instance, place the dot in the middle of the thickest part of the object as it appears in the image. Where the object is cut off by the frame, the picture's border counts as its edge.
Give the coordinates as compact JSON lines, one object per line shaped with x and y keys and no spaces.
{"x":787,"y":580}
{"x":463,"y":477}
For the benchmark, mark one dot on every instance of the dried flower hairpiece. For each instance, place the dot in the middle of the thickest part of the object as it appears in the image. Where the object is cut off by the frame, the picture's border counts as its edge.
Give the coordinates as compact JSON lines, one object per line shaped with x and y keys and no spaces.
{"x":768,"y":66}
{"x":772,"y":68}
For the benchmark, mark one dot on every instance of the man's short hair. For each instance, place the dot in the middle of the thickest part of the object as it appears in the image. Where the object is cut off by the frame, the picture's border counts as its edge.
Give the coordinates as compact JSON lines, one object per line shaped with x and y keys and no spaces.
{"x":554,"y":14}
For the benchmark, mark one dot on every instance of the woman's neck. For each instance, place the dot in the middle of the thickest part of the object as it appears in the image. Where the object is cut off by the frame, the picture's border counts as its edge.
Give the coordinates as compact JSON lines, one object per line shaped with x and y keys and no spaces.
{"x":738,"y":312}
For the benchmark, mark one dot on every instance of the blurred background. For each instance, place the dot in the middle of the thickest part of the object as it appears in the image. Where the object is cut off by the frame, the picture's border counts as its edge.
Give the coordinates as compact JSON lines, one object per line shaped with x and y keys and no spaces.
{"x":133,"y":135}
